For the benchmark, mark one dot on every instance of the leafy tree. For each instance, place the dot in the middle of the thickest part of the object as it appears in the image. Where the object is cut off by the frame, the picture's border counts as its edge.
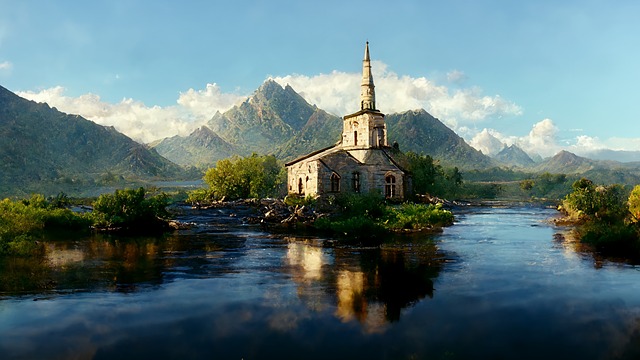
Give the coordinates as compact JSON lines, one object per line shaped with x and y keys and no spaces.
{"x":634,"y":204}
{"x":429,"y":177}
{"x":246,"y":177}
{"x":129,"y":208}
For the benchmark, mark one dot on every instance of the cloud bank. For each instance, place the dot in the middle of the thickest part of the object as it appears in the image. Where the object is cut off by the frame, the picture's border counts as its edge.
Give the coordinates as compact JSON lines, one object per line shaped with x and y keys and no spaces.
{"x":338,"y":93}
{"x":137,"y":120}
{"x":462,"y":109}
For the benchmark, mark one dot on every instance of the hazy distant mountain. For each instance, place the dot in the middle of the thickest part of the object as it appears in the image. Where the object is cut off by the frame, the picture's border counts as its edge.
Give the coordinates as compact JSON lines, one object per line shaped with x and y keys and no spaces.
{"x":565,"y":162}
{"x":514,"y":156}
{"x":202,"y":148}
{"x":615,"y":155}
{"x":418,"y":131}
{"x":41,"y":144}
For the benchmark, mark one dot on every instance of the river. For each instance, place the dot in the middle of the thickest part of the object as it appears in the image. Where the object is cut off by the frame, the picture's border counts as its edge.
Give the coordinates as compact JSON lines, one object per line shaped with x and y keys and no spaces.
{"x":499,"y":284}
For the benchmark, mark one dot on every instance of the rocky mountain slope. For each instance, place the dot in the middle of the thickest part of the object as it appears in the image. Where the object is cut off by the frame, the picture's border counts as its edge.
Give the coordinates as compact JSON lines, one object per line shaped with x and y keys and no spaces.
{"x":277,"y":120}
{"x":41,"y":144}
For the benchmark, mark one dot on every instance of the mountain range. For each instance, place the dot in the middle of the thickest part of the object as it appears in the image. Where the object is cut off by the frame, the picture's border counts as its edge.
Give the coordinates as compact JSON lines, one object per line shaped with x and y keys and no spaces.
{"x":39,"y":144}
{"x":277,"y":120}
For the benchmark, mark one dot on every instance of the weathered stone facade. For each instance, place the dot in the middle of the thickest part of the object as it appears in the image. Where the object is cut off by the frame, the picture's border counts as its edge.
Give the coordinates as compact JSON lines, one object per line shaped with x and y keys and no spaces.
{"x":361,"y":162}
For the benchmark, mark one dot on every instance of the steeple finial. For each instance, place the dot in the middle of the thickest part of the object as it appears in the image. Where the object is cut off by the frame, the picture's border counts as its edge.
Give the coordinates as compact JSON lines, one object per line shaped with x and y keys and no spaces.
{"x":367,"y":92}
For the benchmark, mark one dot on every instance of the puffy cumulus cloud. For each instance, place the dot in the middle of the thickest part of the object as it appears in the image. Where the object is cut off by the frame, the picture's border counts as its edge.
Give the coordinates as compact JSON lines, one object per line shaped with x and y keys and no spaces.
{"x":134,"y":118}
{"x":486,"y":142}
{"x":201,"y":102}
{"x":338,"y":93}
{"x":544,"y":140}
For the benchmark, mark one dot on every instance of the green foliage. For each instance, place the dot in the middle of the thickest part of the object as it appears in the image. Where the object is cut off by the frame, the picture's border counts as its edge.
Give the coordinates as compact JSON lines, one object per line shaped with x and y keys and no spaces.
{"x":527,"y":184}
{"x":356,"y":227}
{"x":367,"y":216}
{"x":296,"y":200}
{"x":609,"y":217}
{"x":634,"y":204}
{"x":22,"y":221}
{"x":611,"y":239}
{"x":199,"y":197}
{"x":417,"y":216}
{"x":607,"y":204}
{"x":429,"y":177}
{"x":370,"y":204}
{"x":129,"y":208}
{"x":249,"y":177}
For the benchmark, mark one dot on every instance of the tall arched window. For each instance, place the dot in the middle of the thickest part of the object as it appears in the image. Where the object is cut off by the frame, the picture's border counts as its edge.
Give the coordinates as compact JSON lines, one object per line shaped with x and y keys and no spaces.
{"x":355,"y":138}
{"x":356,"y":182}
{"x":300,"y":188}
{"x":335,"y":183}
{"x":390,"y":186}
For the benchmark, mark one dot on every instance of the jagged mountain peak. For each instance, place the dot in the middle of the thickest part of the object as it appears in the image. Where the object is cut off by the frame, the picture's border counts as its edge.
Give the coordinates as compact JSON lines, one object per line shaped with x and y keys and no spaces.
{"x":515,"y":156}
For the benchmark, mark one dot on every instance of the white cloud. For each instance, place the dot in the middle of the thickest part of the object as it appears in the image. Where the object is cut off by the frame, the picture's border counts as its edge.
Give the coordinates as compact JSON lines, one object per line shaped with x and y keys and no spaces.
{"x":543,"y":140}
{"x":338,"y":93}
{"x":486,"y":142}
{"x":134,"y":118}
{"x":456,"y":76}
{"x":5,"y":66}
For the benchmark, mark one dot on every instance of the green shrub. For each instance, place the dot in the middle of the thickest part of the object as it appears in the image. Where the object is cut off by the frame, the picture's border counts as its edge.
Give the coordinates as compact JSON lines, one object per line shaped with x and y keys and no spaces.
{"x":249,"y":177}
{"x":418,"y":216}
{"x":296,"y":200}
{"x":129,"y":208}
{"x":611,"y":240}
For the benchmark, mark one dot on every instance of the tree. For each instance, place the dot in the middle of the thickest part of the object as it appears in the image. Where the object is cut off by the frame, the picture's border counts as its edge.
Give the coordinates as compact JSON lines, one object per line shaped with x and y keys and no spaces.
{"x":249,"y":177}
{"x":129,"y":208}
{"x":634,"y":204}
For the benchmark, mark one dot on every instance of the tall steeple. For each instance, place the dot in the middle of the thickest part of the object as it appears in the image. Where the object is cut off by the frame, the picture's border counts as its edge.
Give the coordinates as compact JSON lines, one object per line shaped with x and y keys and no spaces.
{"x":367,"y":89}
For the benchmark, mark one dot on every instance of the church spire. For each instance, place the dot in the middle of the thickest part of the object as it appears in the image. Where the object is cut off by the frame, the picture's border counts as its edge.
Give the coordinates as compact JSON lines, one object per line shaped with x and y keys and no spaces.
{"x":367,"y":92}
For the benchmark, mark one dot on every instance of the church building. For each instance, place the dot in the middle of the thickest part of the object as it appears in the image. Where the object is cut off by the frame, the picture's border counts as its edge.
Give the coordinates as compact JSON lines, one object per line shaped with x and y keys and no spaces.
{"x":361,"y":162}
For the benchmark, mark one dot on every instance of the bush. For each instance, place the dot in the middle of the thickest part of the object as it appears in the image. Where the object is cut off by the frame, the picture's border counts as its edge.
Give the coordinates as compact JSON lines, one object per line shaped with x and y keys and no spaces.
{"x":129,"y":208}
{"x":22,"y":221}
{"x":418,"y":216}
{"x":634,"y":204}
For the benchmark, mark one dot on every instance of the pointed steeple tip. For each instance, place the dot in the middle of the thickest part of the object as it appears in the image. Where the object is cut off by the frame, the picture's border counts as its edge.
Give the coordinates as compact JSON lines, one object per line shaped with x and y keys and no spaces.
{"x":366,"y":51}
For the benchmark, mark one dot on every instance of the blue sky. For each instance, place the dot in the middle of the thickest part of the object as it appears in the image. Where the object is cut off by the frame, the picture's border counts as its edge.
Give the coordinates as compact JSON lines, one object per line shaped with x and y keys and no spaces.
{"x":542,"y":74}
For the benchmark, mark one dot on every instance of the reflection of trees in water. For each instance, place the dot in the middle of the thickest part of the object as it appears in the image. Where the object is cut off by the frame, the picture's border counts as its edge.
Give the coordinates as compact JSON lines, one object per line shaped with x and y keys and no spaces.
{"x":371,"y":286}
{"x":117,"y":263}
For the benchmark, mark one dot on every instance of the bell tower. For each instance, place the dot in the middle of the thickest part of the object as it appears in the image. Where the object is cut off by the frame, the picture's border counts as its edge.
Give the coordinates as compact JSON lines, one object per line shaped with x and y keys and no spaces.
{"x":366,"y":128}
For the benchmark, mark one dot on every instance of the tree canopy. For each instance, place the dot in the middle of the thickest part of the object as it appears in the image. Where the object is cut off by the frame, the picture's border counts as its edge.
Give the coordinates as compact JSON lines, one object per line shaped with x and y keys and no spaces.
{"x":254,"y":176}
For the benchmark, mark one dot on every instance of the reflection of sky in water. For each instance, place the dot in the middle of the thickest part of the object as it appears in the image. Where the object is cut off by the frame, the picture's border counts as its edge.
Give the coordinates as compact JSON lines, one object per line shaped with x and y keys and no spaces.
{"x":509,"y":290}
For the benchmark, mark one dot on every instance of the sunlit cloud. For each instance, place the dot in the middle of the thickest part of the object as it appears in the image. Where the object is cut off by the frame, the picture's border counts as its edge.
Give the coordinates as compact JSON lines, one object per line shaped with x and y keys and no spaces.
{"x":487,"y":142}
{"x":338,"y":93}
{"x":544,"y":140}
{"x":137,"y":120}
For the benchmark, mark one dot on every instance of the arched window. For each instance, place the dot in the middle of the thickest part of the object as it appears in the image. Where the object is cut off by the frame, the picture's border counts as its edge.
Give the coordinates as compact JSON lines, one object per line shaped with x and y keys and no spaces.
{"x":300,"y":188}
{"x":355,"y":138}
{"x":335,"y":183}
{"x":356,"y":182}
{"x":390,"y":186}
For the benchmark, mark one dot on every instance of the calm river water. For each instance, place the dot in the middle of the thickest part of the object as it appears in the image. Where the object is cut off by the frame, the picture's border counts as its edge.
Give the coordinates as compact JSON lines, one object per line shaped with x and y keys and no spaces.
{"x":499,"y":284}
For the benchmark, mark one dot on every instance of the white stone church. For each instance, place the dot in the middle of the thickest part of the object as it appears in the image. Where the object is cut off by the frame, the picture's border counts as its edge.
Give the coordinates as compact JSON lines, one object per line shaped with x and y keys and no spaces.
{"x":361,"y":162}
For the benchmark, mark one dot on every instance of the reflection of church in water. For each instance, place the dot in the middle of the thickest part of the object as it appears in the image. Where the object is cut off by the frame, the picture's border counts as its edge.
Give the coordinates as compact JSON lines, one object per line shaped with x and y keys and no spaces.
{"x":362,"y":161}
{"x":371,"y":287}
